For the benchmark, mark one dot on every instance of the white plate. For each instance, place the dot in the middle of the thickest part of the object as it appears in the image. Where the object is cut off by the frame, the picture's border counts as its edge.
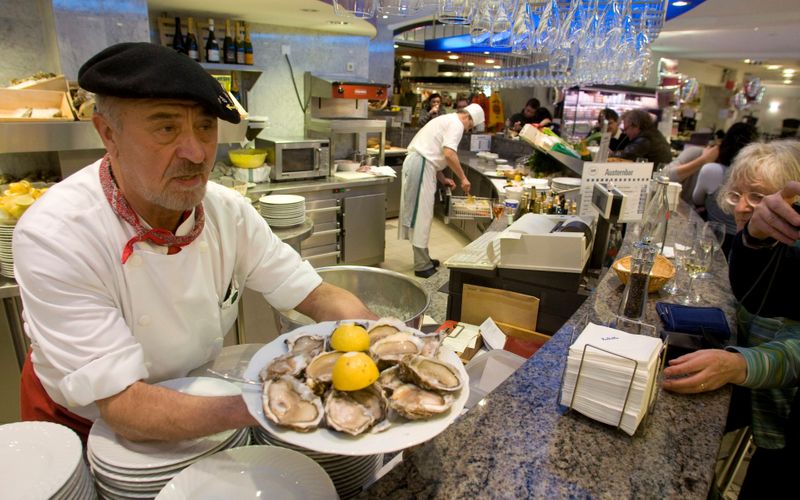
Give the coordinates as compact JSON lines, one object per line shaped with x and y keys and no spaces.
{"x":281,"y":199}
{"x":252,"y":472}
{"x":37,"y":458}
{"x":567,"y":181}
{"x":399,"y":436}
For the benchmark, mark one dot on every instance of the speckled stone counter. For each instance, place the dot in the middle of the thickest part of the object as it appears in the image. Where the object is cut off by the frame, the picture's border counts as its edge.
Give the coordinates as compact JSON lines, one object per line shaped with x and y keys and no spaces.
{"x":520,"y":443}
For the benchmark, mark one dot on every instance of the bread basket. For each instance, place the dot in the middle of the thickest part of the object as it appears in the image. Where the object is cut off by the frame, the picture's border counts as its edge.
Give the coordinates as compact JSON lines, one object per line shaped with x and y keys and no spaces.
{"x":662,"y":272}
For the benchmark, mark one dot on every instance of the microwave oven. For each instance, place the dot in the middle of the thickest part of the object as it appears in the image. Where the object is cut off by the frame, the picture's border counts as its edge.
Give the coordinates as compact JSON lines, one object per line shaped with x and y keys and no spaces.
{"x":294,"y":158}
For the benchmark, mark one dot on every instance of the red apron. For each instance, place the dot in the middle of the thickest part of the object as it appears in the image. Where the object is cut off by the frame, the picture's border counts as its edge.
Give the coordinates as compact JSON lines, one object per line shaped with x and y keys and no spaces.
{"x":36,"y":404}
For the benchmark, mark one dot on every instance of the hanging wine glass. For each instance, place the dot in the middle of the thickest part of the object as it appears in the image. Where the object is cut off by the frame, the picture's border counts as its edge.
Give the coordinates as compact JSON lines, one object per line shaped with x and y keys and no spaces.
{"x":501,"y":28}
{"x":548,"y":27}
{"x":401,"y":8}
{"x":364,"y":9}
{"x":522,"y":29}
{"x":456,"y":11}
{"x":481,"y":28}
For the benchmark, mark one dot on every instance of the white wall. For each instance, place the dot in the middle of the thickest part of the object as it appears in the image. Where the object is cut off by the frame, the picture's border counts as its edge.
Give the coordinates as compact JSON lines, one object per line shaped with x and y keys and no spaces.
{"x":789,"y":98}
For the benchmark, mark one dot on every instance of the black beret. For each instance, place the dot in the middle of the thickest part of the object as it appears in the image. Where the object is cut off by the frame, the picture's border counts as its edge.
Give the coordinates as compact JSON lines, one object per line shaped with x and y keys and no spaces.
{"x":146,"y":71}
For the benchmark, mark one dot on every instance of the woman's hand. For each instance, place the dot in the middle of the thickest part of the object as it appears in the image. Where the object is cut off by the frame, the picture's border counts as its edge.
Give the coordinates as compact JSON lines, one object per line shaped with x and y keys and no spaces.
{"x":704,"y":370}
{"x":710,"y":154}
{"x":774,"y":216}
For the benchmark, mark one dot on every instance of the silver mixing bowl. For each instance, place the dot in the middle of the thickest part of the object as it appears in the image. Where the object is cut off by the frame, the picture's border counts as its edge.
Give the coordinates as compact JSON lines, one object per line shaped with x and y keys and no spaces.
{"x":386,"y":293}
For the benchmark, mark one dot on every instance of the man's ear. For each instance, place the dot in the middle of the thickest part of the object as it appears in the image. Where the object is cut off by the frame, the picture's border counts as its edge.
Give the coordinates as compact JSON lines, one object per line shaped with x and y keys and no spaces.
{"x":106,"y":132}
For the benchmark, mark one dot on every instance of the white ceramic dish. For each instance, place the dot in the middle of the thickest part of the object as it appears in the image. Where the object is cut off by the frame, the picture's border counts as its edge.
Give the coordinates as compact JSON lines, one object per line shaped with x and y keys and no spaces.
{"x":400,"y":435}
{"x":281,"y":199}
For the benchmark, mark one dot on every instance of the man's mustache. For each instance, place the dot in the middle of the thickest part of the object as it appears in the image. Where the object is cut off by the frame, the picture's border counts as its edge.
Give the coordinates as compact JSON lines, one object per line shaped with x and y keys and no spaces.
{"x":186,"y":169}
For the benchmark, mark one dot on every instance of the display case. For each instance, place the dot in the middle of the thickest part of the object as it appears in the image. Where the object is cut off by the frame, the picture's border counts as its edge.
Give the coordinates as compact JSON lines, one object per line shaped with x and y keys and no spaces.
{"x":581,"y":105}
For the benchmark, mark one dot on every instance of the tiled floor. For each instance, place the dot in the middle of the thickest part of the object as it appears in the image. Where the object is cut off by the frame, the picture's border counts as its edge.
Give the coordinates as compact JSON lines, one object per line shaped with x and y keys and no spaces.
{"x":444,"y":242}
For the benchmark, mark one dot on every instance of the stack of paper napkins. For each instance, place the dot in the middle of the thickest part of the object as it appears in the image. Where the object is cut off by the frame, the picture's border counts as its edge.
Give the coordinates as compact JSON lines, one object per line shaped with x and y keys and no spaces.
{"x":606,"y":376}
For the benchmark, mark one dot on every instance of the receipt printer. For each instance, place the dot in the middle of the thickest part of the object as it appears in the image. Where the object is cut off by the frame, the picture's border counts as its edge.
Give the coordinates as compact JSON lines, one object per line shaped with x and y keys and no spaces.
{"x":546,"y":243}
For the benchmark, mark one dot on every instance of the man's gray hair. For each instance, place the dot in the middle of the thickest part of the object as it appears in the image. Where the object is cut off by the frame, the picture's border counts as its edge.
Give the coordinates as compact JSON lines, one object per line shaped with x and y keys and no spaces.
{"x":109,"y":107}
{"x":638,"y":118}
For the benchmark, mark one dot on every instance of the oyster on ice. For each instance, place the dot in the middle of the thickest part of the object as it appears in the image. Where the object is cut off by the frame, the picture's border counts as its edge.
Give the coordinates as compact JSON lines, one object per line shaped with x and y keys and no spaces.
{"x":290,"y":403}
{"x":415,"y":403}
{"x":355,"y":412}
{"x":430,"y":373}
{"x":389,"y":350}
{"x":319,"y":372}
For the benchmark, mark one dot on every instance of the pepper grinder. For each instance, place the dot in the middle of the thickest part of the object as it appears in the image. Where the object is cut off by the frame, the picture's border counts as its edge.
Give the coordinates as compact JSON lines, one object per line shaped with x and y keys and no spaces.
{"x":634,"y":297}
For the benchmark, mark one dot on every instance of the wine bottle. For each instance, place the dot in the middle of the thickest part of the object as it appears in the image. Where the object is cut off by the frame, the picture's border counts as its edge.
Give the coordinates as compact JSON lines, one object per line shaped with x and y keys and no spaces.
{"x":212,"y":46}
{"x":191,"y":42}
{"x":178,"y":42}
{"x":239,"y":44}
{"x":248,"y":47}
{"x":228,"y":46}
{"x":235,"y":87}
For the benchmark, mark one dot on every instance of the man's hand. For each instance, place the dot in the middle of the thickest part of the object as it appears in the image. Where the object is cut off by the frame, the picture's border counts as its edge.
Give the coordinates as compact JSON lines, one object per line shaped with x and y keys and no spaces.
{"x":774,"y":216}
{"x":448,"y":182}
{"x":704,"y":370}
{"x":465,"y":185}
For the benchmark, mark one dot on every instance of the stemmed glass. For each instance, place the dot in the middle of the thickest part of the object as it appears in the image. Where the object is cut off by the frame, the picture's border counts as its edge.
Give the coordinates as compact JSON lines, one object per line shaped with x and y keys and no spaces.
{"x":696,"y":263}
{"x":716,"y":231}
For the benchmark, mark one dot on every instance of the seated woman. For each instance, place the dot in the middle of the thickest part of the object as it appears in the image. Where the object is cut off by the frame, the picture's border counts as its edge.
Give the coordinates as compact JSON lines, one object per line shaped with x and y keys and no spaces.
{"x":712,"y":175}
{"x":431,"y":108}
{"x":764,"y":272}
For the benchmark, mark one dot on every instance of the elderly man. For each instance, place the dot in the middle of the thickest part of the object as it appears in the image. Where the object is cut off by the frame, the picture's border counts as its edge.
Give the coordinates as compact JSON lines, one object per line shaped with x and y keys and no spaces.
{"x":431,"y":151}
{"x":645,"y":139}
{"x":130,"y":269}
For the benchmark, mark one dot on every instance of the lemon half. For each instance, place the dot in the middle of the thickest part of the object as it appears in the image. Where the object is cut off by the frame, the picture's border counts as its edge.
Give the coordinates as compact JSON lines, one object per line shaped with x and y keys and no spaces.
{"x":349,"y":337}
{"x":354,"y":371}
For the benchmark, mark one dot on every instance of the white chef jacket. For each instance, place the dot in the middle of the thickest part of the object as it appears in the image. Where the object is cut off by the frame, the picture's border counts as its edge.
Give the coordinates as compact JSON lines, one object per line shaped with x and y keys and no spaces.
{"x":97,"y":326}
{"x":441,"y":132}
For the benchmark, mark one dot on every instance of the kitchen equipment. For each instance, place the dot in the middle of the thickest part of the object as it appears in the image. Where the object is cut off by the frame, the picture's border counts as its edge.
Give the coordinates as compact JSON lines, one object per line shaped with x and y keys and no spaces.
{"x":247,"y":158}
{"x":384,"y":292}
{"x":294,"y":158}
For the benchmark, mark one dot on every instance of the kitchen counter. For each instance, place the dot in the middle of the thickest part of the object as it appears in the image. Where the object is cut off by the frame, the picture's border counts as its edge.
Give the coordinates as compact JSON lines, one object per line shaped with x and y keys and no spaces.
{"x":520,"y":443}
{"x":308,"y":185}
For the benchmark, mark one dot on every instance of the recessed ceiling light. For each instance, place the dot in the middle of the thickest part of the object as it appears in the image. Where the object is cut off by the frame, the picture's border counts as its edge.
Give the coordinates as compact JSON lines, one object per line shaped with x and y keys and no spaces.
{"x":746,"y":61}
{"x":755,"y":29}
{"x":338,"y":22}
{"x":773,"y":66}
{"x":497,"y":66}
{"x":486,"y":53}
{"x":787,"y":82}
{"x":406,"y":56}
{"x":385,"y":16}
{"x":440,"y":60}
{"x":309,"y":10}
{"x":789,"y":71}
{"x":680,"y":3}
{"x":396,"y":46}
{"x":453,"y":56}
{"x":448,"y":73}
{"x":490,"y":61}
{"x":470,"y":64}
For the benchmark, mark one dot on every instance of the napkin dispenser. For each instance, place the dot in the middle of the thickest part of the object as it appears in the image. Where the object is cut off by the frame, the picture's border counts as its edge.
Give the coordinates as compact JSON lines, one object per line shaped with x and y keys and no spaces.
{"x":542,"y":242}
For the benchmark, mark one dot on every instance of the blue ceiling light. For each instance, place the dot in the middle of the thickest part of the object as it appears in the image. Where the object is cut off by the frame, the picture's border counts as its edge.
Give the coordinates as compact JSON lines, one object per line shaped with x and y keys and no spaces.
{"x":677,"y":7}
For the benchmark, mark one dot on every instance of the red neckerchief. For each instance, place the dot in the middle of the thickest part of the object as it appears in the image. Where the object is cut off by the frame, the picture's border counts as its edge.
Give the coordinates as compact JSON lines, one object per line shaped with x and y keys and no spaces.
{"x":157,"y":236}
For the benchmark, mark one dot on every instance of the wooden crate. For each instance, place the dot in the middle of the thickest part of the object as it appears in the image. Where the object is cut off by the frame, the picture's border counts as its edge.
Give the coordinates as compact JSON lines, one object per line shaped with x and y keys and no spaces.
{"x":12,"y":100}
{"x":57,"y":83}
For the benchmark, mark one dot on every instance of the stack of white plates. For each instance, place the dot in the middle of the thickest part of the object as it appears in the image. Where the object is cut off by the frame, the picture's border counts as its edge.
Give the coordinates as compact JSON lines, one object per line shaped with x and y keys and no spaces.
{"x":252,"y":472}
{"x":43,"y":460}
{"x":283,"y":210}
{"x":6,"y":257}
{"x":348,"y":473}
{"x":564,"y":183}
{"x":617,"y":375}
{"x":124,"y":469}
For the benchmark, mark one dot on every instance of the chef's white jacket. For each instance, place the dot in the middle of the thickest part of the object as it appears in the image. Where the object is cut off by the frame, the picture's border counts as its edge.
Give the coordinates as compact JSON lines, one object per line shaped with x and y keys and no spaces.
{"x":441,"y":132}
{"x":97,"y":326}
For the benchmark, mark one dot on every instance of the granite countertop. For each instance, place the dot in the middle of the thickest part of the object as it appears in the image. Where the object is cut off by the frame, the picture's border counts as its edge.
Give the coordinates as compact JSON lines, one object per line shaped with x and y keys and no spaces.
{"x":520,"y":443}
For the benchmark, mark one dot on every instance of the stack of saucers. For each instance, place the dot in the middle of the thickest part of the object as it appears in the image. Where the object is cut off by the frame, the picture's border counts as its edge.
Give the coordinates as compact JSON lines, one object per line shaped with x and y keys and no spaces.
{"x":6,"y":257}
{"x":565,"y":183}
{"x":124,"y":469}
{"x":43,"y":460}
{"x":283,"y":210}
{"x":348,"y":473}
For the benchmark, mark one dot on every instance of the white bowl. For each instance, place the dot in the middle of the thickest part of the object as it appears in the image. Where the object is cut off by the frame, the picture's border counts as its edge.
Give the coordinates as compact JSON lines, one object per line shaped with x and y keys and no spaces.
{"x":514,"y":192}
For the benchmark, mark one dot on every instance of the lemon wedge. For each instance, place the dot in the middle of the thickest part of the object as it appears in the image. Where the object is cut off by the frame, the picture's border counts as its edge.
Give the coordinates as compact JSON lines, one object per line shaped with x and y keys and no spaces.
{"x":349,"y":337}
{"x":354,"y":371}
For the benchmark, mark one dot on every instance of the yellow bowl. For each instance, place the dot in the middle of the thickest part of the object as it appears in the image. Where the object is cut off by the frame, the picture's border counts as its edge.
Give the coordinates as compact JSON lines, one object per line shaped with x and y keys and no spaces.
{"x":247,"y":158}
{"x":662,"y":272}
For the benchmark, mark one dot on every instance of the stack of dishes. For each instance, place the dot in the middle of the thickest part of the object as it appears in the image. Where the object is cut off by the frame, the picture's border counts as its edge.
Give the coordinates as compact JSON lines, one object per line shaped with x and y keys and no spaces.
{"x":617,"y":375}
{"x":565,"y":183}
{"x":6,"y":257}
{"x":124,"y":469}
{"x":348,"y":473}
{"x":43,"y":460}
{"x":283,"y":210}
{"x":250,"y":472}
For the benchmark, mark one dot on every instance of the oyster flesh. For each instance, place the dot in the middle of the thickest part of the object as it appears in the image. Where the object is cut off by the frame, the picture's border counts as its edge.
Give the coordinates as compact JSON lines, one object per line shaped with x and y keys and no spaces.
{"x":389,"y":380}
{"x":291,"y":364}
{"x":385,"y":327}
{"x":355,"y":412}
{"x":389,"y":350}
{"x":430,"y":373}
{"x":290,"y":403}
{"x":319,"y":371}
{"x":305,"y":343}
{"x":416,"y":403}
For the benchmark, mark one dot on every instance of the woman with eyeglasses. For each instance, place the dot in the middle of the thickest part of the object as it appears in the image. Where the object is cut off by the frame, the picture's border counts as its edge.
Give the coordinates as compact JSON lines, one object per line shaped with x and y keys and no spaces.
{"x":763,"y":184}
{"x":712,"y":175}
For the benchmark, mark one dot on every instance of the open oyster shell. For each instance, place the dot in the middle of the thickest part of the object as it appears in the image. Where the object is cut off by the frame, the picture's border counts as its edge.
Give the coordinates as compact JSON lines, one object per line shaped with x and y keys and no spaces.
{"x":319,"y":371}
{"x":385,"y":327}
{"x":306,"y":343}
{"x":416,"y":403}
{"x":430,"y":373}
{"x":291,"y":364}
{"x":290,"y":403}
{"x":390,"y":350}
{"x":355,"y":412}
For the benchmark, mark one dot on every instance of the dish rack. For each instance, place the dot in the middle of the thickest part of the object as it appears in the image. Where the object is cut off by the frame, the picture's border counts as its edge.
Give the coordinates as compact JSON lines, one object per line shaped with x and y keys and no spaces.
{"x":469,"y":207}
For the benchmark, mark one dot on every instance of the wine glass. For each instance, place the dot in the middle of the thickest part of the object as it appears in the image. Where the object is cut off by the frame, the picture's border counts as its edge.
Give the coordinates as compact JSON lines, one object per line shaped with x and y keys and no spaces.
{"x":696,"y":262}
{"x":715,"y":231}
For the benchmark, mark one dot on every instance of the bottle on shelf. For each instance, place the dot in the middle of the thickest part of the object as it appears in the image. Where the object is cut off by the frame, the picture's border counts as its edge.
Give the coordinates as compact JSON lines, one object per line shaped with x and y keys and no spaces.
{"x":248,"y":46}
{"x":235,"y":87}
{"x":191,"y":42}
{"x":178,"y":43}
{"x":228,"y":45}
{"x":239,"y":44}
{"x":212,"y":45}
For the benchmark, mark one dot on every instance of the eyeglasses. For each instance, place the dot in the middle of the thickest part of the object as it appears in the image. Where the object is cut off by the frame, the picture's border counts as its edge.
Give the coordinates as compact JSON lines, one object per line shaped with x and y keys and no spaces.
{"x":752,"y":198}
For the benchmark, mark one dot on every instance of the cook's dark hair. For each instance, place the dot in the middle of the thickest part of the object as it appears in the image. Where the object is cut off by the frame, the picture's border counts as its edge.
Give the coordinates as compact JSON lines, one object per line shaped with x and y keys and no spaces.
{"x":609,"y":114}
{"x":533,"y":103}
{"x":736,"y":138}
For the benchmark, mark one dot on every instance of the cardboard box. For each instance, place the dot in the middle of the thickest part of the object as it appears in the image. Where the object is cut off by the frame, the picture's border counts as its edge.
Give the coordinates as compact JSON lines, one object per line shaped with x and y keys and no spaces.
{"x":57,"y":83}
{"x":451,"y":327}
{"x":11,"y":101}
{"x":511,"y":308}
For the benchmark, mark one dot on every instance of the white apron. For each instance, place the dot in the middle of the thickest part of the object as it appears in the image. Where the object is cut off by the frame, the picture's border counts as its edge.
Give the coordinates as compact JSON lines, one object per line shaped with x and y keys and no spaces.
{"x":181,"y":323}
{"x":416,"y":202}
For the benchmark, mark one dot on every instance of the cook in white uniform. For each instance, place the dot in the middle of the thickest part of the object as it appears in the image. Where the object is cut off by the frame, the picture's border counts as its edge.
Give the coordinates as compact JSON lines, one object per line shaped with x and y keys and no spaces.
{"x":429,"y":153}
{"x":131,"y":269}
